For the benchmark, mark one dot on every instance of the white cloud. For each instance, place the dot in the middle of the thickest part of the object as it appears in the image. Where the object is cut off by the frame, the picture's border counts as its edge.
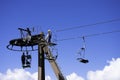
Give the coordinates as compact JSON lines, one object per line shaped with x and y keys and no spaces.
{"x":74,"y":76}
{"x":20,"y":74}
{"x":110,"y":72}
{"x":47,"y":78}
{"x":17,"y":74}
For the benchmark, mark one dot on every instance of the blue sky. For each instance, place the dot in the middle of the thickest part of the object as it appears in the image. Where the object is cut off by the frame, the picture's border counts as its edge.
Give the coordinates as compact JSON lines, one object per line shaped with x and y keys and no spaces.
{"x":58,"y":15}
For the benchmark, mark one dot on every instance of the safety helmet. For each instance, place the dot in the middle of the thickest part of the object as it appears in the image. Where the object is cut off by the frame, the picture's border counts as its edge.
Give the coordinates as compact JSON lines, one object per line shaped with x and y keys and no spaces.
{"x":49,"y":30}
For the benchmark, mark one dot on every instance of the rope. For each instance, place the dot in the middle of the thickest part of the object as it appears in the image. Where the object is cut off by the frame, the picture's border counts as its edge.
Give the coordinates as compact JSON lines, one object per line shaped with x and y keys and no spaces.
{"x":90,"y":35}
{"x":88,"y":25}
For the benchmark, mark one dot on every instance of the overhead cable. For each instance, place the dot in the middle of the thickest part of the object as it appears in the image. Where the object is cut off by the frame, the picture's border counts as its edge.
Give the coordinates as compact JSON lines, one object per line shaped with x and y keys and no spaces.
{"x":88,"y":25}
{"x":90,"y":35}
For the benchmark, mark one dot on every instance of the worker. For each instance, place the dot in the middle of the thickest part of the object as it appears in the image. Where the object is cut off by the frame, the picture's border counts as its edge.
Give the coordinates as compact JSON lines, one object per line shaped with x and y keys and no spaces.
{"x":28,"y":59}
{"x":49,"y":36}
{"x":28,"y":38}
{"x":29,"y":32}
{"x":23,"y":58}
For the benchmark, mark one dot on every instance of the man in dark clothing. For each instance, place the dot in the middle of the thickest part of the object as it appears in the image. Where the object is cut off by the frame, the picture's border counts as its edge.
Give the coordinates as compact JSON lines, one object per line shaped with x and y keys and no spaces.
{"x":23,"y":59}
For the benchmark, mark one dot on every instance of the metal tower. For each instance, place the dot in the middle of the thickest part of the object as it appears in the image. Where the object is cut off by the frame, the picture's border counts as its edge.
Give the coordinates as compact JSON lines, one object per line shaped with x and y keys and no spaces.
{"x":27,"y":43}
